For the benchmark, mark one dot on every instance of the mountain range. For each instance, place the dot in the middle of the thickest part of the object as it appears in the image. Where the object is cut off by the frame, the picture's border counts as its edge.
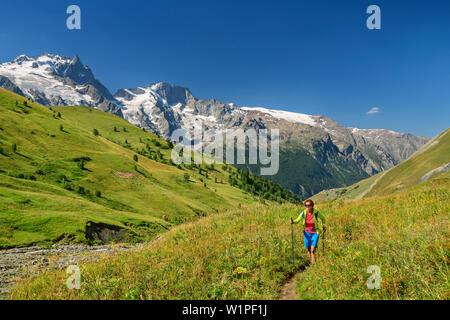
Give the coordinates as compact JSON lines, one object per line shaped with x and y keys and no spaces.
{"x":430,"y":161}
{"x":316,"y":152}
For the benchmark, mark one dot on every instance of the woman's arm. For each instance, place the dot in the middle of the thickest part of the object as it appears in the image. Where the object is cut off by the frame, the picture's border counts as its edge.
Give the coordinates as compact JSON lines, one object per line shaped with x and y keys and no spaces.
{"x":299,"y":218}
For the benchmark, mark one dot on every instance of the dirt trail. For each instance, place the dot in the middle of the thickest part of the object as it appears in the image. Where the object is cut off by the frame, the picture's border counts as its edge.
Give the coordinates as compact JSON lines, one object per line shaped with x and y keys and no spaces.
{"x":287,"y":290}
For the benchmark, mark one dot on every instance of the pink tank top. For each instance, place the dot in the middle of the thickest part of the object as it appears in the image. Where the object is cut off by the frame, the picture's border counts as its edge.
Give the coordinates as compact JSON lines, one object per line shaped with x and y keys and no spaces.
{"x":310,"y":227}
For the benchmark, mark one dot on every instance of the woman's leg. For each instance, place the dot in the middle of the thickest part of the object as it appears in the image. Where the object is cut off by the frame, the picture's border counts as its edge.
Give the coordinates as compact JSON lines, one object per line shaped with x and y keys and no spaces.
{"x":312,"y":254}
{"x":307,"y":240}
{"x":314,"y":243}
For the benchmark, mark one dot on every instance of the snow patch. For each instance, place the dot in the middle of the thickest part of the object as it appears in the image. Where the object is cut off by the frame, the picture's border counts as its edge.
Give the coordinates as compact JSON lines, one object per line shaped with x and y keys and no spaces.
{"x":44,"y":78}
{"x":285,"y":115}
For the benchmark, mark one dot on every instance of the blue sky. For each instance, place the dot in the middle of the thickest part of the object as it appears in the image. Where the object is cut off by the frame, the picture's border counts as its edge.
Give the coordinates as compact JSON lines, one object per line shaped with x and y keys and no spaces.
{"x":314,"y":57}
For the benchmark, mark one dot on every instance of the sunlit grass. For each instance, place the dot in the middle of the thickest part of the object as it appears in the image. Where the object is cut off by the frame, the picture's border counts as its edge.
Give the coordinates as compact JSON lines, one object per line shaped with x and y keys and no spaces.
{"x":405,"y":234}
{"x":246,"y":254}
{"x":39,"y":201}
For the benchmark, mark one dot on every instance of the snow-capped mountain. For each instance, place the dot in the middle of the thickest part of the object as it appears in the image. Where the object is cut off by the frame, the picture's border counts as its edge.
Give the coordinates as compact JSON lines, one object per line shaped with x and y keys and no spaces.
{"x":163,"y":108}
{"x":316,"y":152}
{"x":57,"y":80}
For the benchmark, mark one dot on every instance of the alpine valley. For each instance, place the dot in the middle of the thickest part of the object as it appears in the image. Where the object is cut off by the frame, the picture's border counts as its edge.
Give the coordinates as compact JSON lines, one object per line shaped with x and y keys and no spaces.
{"x":316,"y":152}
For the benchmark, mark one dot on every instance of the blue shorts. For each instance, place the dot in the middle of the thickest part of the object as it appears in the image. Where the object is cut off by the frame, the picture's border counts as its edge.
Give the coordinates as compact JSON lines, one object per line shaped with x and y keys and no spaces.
{"x":311,"y":239}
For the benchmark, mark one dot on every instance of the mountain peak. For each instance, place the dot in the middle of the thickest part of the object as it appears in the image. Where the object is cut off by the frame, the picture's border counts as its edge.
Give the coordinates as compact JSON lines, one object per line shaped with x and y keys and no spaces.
{"x":22,"y":58}
{"x":52,"y":79}
{"x":76,"y":59}
{"x":166,"y":86}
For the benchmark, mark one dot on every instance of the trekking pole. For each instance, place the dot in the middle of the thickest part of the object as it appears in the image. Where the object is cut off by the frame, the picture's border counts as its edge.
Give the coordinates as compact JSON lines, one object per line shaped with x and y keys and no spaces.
{"x":292,"y":233}
{"x":323,"y":249}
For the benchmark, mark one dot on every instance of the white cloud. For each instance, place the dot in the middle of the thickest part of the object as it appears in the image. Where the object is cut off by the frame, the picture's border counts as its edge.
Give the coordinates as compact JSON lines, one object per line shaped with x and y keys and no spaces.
{"x":373,"y":110}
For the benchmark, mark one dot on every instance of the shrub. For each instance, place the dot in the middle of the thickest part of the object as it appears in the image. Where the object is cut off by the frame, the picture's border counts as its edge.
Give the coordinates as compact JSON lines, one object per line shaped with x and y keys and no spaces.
{"x":62,"y":178}
{"x":135,"y":157}
{"x":82,"y":158}
{"x":81,"y":190}
{"x":81,"y":164}
{"x":98,"y":194}
{"x":68,"y":186}
{"x":96,"y":133}
{"x":61,"y":128}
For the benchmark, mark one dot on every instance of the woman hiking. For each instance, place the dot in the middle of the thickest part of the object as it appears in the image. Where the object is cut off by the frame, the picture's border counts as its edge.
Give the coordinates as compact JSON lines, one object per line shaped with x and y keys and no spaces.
{"x":310,"y":218}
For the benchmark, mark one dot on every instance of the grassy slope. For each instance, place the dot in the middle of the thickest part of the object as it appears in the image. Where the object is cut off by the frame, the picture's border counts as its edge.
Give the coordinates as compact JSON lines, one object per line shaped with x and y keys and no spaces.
{"x":406,"y":234}
{"x":350,"y":192}
{"x":245,"y":254}
{"x":42,"y":210}
{"x":431,"y":156}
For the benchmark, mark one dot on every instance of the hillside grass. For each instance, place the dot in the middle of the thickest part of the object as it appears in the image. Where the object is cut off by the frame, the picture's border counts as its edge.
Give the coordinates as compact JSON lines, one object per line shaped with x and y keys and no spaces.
{"x":240,"y":254}
{"x":346,"y":193}
{"x":434,"y":154}
{"x":61,"y":167}
{"x":408,"y":173}
{"x":246,"y":254}
{"x":406,"y":234}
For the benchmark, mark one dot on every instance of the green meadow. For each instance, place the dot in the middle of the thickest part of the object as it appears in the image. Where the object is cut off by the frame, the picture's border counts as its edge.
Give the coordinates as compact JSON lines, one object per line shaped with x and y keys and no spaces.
{"x":225,"y":233}
{"x":63,"y":167}
{"x":246,"y":254}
